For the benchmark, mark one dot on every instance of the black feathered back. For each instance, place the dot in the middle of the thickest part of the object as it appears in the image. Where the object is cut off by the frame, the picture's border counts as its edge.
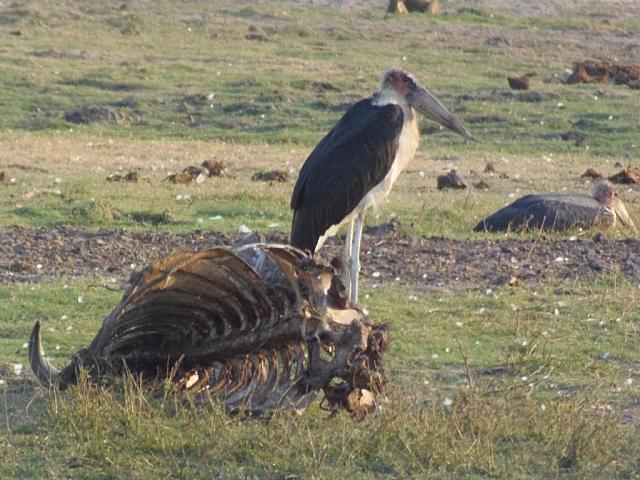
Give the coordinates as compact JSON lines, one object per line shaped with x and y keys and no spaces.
{"x":547,"y":212}
{"x":354,"y":157}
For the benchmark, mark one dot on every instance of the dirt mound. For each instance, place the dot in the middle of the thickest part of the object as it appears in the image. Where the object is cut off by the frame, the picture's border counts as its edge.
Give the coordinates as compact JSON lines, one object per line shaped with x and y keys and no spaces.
{"x":94,"y":114}
{"x":604,"y":71}
{"x":630,"y":175}
{"x":28,"y":255}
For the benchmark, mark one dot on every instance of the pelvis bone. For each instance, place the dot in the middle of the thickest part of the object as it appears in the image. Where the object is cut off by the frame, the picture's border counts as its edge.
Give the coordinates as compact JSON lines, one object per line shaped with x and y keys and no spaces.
{"x":260,"y":327}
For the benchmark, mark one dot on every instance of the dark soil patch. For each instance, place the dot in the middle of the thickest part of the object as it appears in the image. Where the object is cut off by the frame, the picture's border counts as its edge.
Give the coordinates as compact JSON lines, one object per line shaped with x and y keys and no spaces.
{"x":28,"y":255}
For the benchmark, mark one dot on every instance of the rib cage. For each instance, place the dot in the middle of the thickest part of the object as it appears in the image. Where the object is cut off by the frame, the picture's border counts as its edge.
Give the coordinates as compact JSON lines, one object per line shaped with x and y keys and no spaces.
{"x":246,"y":326}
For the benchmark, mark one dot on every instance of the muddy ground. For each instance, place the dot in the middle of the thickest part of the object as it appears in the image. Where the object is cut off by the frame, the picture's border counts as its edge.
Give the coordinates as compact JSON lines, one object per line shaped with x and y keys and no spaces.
{"x":28,"y":255}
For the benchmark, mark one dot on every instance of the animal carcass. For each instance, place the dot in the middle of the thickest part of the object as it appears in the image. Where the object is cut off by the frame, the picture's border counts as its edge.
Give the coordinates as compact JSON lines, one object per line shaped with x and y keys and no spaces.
{"x":259,"y":327}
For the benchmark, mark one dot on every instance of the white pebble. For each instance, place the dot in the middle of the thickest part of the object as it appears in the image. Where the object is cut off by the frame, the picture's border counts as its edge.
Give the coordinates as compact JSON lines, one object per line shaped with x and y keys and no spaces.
{"x":447,"y":402}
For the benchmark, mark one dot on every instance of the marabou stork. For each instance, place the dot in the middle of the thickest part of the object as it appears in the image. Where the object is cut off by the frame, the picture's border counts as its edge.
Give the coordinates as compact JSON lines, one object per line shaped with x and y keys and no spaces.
{"x":355,"y":165}
{"x":560,"y":212}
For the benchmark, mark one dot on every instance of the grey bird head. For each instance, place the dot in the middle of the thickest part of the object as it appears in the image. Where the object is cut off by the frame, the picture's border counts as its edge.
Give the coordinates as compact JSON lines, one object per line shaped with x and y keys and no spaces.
{"x":401,"y":84}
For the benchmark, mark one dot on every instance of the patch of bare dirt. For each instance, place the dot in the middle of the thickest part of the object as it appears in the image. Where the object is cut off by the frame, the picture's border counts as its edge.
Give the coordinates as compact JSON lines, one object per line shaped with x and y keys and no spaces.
{"x":28,"y":255}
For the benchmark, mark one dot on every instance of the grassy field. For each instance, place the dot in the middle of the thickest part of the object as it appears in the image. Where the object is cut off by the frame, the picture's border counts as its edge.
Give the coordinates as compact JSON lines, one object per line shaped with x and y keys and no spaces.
{"x":508,"y":382}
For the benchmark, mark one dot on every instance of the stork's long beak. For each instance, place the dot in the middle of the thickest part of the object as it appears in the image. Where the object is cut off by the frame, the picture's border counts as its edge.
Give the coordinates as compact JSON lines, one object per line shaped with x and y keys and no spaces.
{"x":621,"y":212}
{"x":420,"y":99}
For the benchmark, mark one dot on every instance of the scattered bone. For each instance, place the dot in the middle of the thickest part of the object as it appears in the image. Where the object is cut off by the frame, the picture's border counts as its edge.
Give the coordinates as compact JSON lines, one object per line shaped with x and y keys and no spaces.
{"x":630,"y":175}
{"x":521,"y":83}
{"x":272,"y":176}
{"x":592,"y":174}
{"x":131,"y":177}
{"x":453,"y":180}
{"x":178,"y":322}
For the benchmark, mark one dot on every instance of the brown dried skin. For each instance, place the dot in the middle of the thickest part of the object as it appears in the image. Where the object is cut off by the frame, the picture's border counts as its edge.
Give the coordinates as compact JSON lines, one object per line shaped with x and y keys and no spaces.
{"x":250,"y":326}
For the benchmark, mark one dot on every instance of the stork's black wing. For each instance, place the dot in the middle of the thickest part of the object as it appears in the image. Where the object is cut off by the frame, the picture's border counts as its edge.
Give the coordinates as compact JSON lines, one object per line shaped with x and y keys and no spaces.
{"x":546,"y":212}
{"x":355,"y":156}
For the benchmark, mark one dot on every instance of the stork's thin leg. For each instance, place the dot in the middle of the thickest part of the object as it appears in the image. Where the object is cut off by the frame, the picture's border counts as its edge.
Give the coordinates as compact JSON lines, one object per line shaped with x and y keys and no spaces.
{"x":348,"y":246}
{"x":355,"y":257}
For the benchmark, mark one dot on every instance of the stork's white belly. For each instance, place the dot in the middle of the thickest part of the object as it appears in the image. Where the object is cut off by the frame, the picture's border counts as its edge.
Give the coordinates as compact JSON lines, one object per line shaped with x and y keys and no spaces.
{"x":407,"y":146}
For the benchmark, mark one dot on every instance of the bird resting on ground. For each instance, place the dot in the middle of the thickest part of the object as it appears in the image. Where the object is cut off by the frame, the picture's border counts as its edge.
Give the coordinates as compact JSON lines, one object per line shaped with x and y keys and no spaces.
{"x":260,"y":327}
{"x":356,"y":164}
{"x":559,"y":212}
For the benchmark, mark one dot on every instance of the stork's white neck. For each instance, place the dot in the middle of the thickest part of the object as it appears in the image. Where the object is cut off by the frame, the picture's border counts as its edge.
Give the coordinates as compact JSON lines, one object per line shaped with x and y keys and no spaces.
{"x":389,"y":97}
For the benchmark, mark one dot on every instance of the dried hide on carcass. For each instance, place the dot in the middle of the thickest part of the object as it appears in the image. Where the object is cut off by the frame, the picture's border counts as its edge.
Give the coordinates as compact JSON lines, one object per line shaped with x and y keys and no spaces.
{"x":260,"y":327}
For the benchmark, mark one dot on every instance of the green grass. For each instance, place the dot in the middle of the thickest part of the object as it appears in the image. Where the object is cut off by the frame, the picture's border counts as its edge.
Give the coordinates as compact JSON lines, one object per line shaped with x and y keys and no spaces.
{"x":525,"y":383}
{"x":534,"y":394}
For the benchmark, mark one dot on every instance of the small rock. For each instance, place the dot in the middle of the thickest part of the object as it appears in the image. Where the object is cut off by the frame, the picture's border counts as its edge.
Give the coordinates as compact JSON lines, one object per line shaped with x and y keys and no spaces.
{"x":272,"y":176}
{"x":383,"y":229}
{"x":215,"y":168}
{"x":256,"y":34}
{"x":131,"y":177}
{"x":498,"y":40}
{"x":592,"y":173}
{"x":489,"y":168}
{"x":453,"y":180}
{"x":481,"y":185}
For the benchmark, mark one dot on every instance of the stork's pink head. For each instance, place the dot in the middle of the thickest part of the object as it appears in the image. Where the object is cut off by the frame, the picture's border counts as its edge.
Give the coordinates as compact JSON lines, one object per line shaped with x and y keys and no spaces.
{"x":400,"y":83}
{"x":399,"y":80}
